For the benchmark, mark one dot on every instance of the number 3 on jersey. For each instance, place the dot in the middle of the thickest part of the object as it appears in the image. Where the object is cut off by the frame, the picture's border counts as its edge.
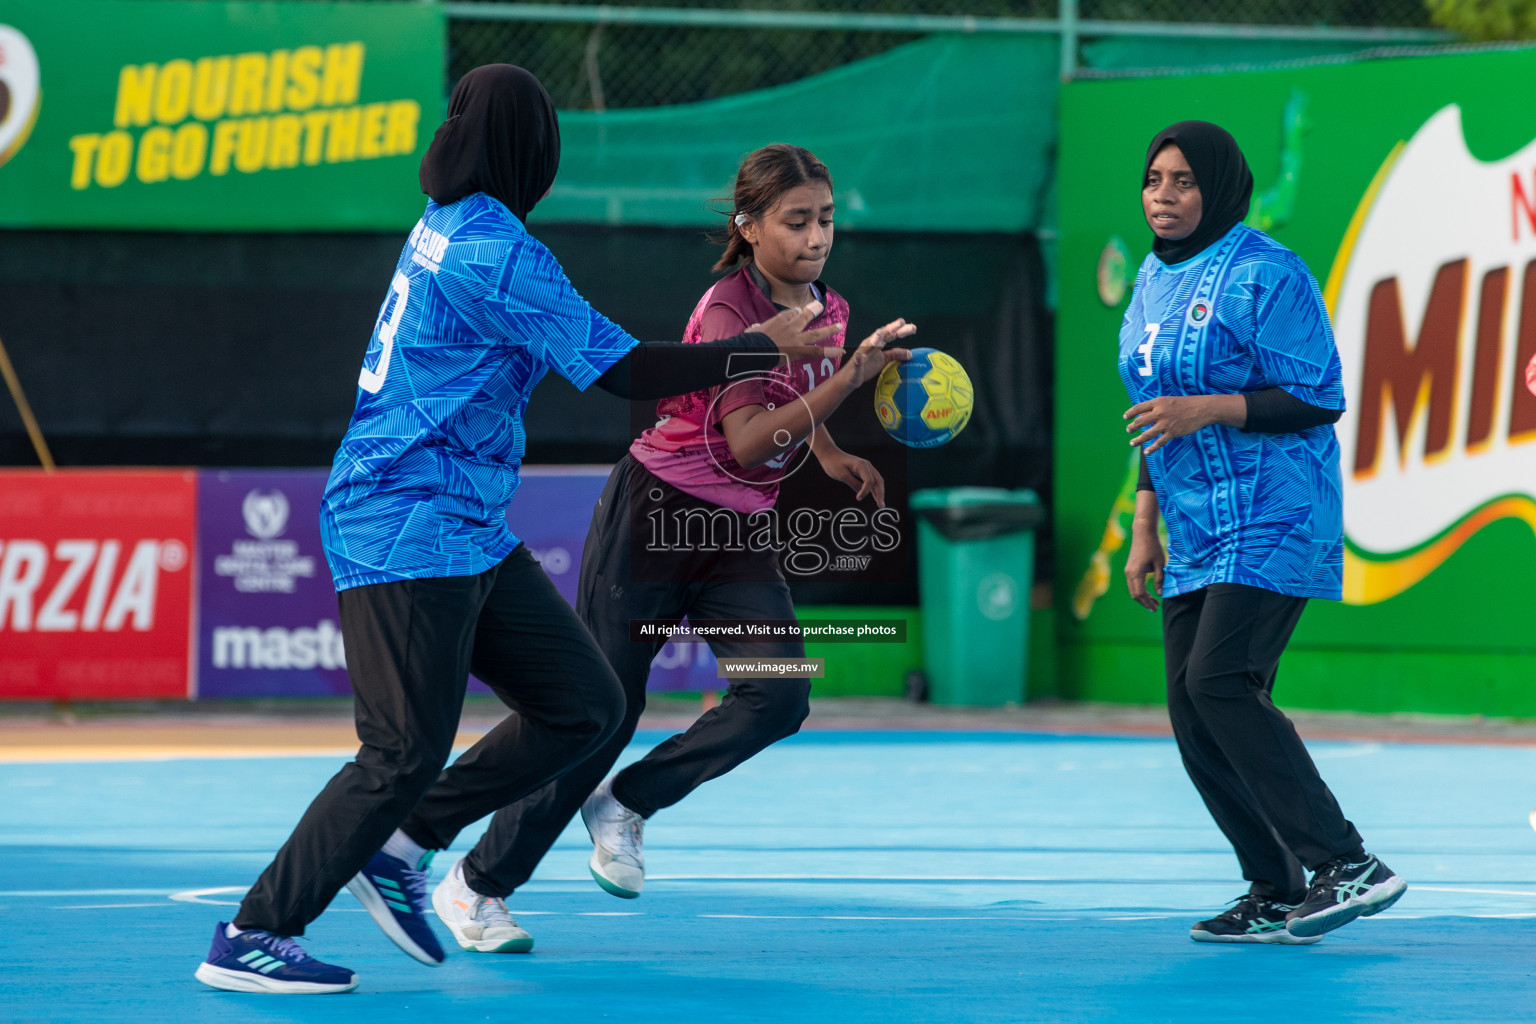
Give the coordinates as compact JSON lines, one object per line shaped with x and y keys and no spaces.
{"x":399,"y":290}
{"x":1145,"y":350}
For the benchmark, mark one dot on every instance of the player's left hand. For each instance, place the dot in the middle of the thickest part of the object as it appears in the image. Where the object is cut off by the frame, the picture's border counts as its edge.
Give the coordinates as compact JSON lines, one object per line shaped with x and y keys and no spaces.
{"x":859,"y":474}
{"x":1168,"y":417}
{"x":788,"y":330}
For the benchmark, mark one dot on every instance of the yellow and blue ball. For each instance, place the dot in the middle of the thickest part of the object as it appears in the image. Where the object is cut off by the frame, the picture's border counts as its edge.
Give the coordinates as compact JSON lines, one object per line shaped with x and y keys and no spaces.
{"x":926,"y":401}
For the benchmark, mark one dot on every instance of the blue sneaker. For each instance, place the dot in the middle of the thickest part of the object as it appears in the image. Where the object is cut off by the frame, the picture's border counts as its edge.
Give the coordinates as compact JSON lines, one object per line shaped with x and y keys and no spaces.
{"x":395,"y":896}
{"x":256,"y":961}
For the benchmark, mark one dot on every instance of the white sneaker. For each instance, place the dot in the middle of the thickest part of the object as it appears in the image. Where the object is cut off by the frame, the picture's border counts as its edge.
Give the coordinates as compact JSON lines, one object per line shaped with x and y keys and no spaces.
{"x":481,"y":924}
{"x":618,"y":837}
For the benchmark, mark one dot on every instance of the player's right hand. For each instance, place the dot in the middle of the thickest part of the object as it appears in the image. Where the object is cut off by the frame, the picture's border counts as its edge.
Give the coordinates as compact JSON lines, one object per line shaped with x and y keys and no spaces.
{"x":874,"y":353}
{"x":1146,"y":558}
{"x":788,"y":333}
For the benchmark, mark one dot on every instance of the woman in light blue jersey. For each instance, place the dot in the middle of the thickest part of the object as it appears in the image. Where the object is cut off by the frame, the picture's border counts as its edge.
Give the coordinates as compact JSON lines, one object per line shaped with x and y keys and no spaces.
{"x":1228,"y":357}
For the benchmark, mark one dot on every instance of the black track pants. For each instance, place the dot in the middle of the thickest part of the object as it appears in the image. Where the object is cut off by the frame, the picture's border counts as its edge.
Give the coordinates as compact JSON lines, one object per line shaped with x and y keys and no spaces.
{"x":753,"y":714}
{"x":410,"y":647}
{"x":1222,"y":645}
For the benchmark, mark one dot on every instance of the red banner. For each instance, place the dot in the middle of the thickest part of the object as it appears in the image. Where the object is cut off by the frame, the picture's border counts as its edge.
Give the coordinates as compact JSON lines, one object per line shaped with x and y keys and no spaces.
{"x":96,"y":583}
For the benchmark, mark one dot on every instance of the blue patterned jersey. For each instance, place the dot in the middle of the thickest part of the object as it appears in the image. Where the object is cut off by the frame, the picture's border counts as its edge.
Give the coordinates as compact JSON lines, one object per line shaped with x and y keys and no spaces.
{"x":1261,"y":509}
{"x":477,"y":312}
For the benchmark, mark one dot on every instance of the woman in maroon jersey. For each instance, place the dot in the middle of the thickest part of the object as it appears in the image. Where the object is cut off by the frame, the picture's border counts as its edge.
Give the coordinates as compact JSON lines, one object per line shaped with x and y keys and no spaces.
{"x":714,"y":460}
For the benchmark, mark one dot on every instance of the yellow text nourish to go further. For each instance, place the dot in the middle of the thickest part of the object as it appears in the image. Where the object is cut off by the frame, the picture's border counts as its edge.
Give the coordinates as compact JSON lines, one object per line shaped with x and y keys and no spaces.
{"x":250,"y":112}
{"x":238,"y":85}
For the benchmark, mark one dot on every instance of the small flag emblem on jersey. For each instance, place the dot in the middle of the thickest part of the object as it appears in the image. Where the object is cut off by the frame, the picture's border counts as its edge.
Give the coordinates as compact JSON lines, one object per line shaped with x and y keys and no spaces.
{"x":1199,"y":311}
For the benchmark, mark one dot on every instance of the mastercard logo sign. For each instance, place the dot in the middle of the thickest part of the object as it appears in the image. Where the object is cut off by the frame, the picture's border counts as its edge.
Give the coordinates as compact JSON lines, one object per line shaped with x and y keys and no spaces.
{"x":21,"y":91}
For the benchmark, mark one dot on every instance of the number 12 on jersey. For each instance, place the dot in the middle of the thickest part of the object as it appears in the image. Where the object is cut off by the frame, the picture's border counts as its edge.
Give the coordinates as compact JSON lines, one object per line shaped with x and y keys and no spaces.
{"x":1145,"y":350}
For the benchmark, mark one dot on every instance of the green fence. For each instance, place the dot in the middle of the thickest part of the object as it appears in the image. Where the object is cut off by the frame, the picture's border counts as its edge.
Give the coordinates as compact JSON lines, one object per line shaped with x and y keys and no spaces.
{"x":951,"y":133}
{"x":633,"y":53}
{"x":939,"y":115}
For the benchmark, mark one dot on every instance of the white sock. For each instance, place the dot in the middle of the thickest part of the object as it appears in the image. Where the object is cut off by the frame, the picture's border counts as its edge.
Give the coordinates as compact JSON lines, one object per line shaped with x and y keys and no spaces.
{"x":230,"y":931}
{"x":403,"y":846}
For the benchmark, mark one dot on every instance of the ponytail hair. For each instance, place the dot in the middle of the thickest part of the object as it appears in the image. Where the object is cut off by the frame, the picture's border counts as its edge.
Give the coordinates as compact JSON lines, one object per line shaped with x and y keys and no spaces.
{"x":761,"y":181}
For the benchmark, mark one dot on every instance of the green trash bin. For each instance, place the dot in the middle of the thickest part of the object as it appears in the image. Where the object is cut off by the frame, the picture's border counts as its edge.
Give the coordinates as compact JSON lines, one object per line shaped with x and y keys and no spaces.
{"x":976,"y":564}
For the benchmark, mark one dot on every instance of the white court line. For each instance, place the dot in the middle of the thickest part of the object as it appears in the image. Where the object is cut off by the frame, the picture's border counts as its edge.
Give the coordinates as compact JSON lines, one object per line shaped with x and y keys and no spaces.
{"x":1085,"y":916}
{"x":884,"y":917}
{"x":1398,"y":915}
{"x":200,"y":896}
{"x":64,"y":893}
{"x":1363,"y":750}
{"x":121,"y":756}
{"x":196,"y":895}
{"x":1150,"y":917}
{"x":860,"y":878}
{"x":576,"y":913}
{"x":109,"y":754}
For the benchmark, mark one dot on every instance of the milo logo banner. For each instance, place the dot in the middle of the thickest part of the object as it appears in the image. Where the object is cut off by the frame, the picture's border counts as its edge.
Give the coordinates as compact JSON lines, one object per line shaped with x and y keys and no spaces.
{"x":1435,"y":330}
{"x":216,"y":116}
{"x":1409,"y":188}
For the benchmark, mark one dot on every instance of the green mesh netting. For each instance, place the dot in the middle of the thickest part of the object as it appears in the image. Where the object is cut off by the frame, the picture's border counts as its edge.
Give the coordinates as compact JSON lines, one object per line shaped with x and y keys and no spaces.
{"x":951,"y":133}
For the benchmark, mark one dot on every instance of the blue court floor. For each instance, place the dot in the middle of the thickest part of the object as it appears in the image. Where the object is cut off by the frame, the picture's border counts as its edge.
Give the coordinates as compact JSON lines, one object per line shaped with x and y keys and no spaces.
{"x":837,"y":877}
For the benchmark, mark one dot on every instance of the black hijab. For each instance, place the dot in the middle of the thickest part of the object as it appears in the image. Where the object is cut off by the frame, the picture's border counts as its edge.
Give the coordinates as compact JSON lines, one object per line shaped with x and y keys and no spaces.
{"x":501,"y":138}
{"x":1226,"y":184}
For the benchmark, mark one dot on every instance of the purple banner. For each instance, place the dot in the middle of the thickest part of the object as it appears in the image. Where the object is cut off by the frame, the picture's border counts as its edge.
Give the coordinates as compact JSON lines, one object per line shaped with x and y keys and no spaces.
{"x":266,"y":623}
{"x":550,"y":513}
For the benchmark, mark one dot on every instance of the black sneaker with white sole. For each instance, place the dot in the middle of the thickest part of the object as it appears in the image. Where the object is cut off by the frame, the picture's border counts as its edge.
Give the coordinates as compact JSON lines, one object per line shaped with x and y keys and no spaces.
{"x":1250,"y":919}
{"x":1342,"y":891}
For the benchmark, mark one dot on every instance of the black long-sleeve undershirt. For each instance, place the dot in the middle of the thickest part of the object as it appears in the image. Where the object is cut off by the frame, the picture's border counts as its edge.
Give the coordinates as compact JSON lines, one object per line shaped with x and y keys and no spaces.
{"x":1271,"y":411}
{"x":1277,"y":411}
{"x":660,"y":369}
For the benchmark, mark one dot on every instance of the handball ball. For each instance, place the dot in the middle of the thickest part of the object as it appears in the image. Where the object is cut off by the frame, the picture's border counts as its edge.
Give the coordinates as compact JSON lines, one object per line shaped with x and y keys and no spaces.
{"x":926,"y":401}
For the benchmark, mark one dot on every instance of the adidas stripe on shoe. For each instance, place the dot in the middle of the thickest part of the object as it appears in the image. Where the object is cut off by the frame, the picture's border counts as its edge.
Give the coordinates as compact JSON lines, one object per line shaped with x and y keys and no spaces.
{"x":395,"y":896}
{"x":256,"y":961}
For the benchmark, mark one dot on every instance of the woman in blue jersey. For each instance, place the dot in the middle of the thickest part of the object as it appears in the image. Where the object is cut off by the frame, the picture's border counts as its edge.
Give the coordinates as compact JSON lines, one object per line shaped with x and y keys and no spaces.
{"x":431,"y":582}
{"x":1228,"y":357}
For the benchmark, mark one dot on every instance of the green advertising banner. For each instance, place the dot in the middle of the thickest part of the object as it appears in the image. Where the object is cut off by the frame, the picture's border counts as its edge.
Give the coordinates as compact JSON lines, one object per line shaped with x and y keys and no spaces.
{"x":1409,"y":187}
{"x":160,"y":114}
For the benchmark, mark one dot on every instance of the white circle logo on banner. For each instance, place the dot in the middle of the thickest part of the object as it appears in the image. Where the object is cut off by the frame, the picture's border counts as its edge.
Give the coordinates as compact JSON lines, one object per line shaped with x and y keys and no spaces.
{"x":265,"y":514}
{"x":21,"y":91}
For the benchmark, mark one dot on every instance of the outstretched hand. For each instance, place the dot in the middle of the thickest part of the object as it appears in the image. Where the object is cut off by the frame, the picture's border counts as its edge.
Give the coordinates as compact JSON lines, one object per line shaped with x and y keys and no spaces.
{"x":788,"y":332}
{"x":872,"y":355}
